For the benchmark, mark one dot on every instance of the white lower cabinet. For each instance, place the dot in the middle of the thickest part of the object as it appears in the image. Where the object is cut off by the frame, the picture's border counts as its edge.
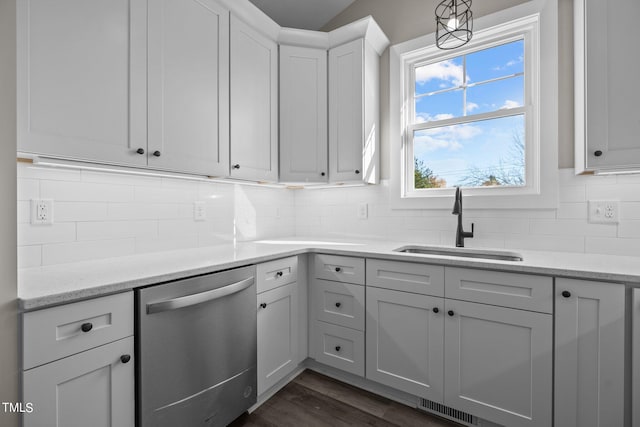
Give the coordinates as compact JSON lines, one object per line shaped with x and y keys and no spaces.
{"x":404,"y":342}
{"x":78,"y":362}
{"x":277,"y":335}
{"x":498,"y":363}
{"x":589,"y":354}
{"x":92,"y":388}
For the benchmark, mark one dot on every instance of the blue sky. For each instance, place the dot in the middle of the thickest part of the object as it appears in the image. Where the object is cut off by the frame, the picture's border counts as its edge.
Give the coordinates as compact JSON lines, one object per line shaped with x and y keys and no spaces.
{"x":450,"y":152}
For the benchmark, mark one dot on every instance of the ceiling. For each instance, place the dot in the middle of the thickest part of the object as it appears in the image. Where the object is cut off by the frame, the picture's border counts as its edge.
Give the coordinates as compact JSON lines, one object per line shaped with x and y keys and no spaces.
{"x":305,"y":14}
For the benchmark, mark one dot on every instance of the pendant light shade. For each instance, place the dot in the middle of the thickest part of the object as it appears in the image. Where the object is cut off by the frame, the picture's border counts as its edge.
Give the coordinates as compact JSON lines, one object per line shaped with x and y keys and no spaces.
{"x":454,"y":23}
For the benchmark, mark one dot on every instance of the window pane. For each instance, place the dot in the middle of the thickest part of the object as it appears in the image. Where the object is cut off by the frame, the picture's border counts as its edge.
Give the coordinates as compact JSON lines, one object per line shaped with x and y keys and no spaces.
{"x":496,"y":95}
{"x":444,"y":105}
{"x":498,"y":61}
{"x":484,"y":153}
{"x":438,"y":76}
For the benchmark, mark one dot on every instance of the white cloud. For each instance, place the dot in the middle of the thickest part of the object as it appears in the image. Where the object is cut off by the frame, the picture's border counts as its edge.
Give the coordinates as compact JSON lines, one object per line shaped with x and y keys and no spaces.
{"x":445,"y":70}
{"x":426,"y":117}
{"x":510,"y":63}
{"x":447,"y":137}
{"x":472,"y":106}
{"x":510,"y":104}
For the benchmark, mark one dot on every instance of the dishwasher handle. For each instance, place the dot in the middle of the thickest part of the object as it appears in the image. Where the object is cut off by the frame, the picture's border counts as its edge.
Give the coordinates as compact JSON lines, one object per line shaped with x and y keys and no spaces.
{"x":186,"y":301}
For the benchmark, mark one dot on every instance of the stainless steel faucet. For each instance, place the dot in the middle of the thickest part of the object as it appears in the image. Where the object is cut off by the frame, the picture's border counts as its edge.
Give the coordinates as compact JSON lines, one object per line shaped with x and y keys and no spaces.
{"x":457,"y":210}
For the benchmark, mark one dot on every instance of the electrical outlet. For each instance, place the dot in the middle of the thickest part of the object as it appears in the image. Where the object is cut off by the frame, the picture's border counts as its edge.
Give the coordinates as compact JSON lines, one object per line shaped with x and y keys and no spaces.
{"x":363,"y":211}
{"x":41,"y":211}
{"x":199,"y":211}
{"x":604,"y":211}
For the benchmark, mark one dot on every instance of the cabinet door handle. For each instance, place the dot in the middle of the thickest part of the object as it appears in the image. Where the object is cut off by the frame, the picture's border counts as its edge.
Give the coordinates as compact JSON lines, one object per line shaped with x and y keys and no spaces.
{"x":337,"y":348}
{"x":436,"y":310}
{"x":279,"y":274}
{"x":86,"y":327}
{"x":338,"y":269}
{"x":322,"y":174}
{"x":597,"y":153}
{"x":263,"y":305}
{"x":125,"y":358}
{"x":236,"y":166}
{"x":338,"y":304}
{"x":140,"y":151}
{"x":357,"y":171}
{"x":450,"y":313}
{"x":566,"y":294}
{"x":157,"y":153}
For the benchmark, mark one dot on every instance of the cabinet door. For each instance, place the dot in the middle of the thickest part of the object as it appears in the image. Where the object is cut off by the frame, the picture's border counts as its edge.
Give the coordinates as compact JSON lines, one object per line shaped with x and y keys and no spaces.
{"x":607,"y":59}
{"x":189,"y":86}
{"x":498,"y":363}
{"x":92,"y":388}
{"x":82,"y":79}
{"x":303,"y":114}
{"x":346,"y":108}
{"x":589,"y":354}
{"x":277,"y":335}
{"x":254,"y":104}
{"x":404,"y":342}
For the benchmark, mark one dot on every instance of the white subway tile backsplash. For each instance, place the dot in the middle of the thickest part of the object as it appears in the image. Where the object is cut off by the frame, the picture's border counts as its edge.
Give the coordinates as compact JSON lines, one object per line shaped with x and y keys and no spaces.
{"x":105,"y":230}
{"x":103,"y":214}
{"x":40,"y":234}
{"x":85,"y":191}
{"x":28,"y":189}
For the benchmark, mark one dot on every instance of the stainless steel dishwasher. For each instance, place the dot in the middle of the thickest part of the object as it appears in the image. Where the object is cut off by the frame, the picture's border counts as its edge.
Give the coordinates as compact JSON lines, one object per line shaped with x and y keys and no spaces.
{"x":196,"y":347}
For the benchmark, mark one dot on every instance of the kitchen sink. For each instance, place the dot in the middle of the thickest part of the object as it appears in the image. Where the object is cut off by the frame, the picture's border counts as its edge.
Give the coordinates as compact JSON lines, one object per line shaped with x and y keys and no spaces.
{"x":461,"y":252}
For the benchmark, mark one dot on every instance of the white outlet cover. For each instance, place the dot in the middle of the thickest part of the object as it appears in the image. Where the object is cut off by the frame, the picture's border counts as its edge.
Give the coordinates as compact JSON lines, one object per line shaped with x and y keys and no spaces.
{"x":199,"y":211}
{"x":604,"y":211}
{"x":363,"y":211}
{"x":41,"y":211}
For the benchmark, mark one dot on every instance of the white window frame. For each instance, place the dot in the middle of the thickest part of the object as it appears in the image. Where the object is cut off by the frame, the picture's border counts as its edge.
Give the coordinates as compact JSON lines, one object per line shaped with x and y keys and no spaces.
{"x":536,"y":23}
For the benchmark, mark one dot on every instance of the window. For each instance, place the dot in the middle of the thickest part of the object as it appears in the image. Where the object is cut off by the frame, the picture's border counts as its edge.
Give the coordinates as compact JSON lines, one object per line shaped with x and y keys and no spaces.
{"x":467,"y":123}
{"x":472,"y":117}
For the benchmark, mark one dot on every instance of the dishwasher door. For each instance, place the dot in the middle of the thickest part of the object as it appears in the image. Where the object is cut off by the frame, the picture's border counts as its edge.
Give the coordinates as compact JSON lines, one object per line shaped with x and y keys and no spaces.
{"x":196,"y":346}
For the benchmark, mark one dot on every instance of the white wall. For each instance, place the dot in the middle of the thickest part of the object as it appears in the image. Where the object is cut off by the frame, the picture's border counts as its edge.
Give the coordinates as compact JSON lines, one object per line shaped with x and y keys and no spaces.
{"x":103,"y":214}
{"x":8,"y":288}
{"x":333,"y":212}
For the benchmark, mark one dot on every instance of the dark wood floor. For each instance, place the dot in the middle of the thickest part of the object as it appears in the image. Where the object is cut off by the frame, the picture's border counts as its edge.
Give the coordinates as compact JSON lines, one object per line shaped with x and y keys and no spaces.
{"x":315,"y":400}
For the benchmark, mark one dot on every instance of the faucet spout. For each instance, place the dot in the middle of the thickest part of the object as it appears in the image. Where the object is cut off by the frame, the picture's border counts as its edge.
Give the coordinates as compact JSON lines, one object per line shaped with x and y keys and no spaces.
{"x":457,"y":210}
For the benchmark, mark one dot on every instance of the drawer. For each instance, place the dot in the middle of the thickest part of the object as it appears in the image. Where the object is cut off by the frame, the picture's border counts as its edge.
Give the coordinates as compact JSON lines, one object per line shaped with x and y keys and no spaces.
{"x":406,"y":276}
{"x":270,"y":275}
{"x":339,"y":303}
{"x":340,"y":347}
{"x":53,"y":333}
{"x":339,"y":268}
{"x":513,"y":290}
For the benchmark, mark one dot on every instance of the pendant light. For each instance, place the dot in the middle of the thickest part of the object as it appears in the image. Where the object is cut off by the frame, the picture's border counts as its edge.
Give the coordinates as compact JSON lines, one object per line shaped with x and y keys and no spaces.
{"x":454,"y":23}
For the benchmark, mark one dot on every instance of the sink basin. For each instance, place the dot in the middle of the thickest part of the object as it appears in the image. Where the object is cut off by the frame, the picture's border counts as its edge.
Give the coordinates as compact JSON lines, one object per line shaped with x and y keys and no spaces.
{"x":461,"y":252}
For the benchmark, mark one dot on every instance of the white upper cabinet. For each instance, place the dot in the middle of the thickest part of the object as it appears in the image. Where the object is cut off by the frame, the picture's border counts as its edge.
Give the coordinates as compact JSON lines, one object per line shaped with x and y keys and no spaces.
{"x":354,"y":112}
{"x":125,"y":82}
{"x":188,"y":86}
{"x":254,"y":104}
{"x":82,"y":79}
{"x":303,"y":114}
{"x":606,"y":64}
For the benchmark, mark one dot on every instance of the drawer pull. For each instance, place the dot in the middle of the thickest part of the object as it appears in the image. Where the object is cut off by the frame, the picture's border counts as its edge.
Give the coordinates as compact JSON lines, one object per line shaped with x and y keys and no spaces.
{"x":279,"y":274}
{"x":338,"y":304}
{"x":337,"y":348}
{"x":338,"y":269}
{"x":140,"y":151}
{"x":86,"y":327}
{"x":566,"y":294}
{"x":263,"y":305}
{"x":125,"y":358}
{"x":436,"y":310}
{"x":451,"y":313}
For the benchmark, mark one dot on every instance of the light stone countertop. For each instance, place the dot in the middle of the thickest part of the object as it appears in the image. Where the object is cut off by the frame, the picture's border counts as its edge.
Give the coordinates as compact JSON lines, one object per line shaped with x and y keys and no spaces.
{"x":46,"y":286}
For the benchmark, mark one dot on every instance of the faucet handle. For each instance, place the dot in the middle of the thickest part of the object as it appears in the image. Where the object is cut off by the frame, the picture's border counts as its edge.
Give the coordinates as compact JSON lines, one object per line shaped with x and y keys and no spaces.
{"x":468,"y":234}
